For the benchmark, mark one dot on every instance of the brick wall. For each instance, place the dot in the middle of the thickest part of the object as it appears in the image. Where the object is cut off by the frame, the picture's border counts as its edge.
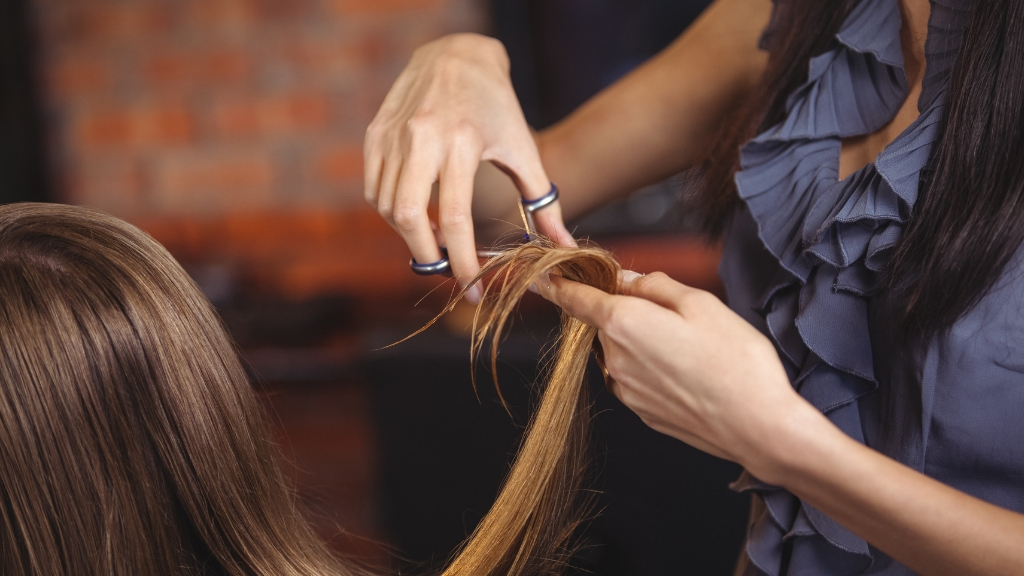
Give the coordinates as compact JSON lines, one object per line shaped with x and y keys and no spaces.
{"x":199,"y":107}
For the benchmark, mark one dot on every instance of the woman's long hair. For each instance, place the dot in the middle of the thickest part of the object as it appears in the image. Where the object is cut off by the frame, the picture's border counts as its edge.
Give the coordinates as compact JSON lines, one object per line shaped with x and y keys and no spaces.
{"x":969,"y":219}
{"x":131,"y":442}
{"x":529,"y":529}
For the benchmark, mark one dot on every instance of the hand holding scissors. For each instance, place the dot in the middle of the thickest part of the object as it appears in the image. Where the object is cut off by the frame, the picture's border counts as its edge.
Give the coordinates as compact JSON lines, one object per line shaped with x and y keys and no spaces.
{"x":451,"y":108}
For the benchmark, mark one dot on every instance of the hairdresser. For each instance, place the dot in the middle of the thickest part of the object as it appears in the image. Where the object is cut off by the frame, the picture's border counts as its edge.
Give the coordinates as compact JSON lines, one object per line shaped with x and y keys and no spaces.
{"x":864,"y":167}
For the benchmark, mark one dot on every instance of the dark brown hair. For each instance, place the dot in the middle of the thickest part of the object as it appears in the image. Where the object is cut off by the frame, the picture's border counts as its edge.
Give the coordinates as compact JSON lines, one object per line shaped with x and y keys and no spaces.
{"x":968,"y":221}
{"x":130,"y":440}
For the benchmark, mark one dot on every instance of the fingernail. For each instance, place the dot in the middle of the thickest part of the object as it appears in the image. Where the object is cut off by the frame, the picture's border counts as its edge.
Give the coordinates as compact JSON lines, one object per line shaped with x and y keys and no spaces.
{"x":472,"y":295}
{"x":543,"y":279}
{"x":627,"y":276}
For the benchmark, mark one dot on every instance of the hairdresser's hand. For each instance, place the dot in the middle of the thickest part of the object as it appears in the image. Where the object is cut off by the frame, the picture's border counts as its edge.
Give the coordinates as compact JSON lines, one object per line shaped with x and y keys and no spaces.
{"x":687,"y":365}
{"x":451,"y":107}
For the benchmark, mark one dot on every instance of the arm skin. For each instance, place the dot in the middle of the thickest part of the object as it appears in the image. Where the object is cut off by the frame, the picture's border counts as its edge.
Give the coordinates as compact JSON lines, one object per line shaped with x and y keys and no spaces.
{"x":659,"y":119}
{"x":453,"y":106}
{"x":692,"y":369}
{"x":654,"y":122}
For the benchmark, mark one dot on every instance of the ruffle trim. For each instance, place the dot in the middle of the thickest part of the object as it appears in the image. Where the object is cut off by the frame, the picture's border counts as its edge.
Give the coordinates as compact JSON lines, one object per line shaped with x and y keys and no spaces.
{"x":831,"y":239}
{"x":867,"y":53}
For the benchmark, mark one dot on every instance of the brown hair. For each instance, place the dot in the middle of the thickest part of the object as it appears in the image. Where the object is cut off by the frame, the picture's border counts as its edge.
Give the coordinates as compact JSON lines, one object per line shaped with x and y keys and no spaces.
{"x":529,"y":528}
{"x":130,"y":440}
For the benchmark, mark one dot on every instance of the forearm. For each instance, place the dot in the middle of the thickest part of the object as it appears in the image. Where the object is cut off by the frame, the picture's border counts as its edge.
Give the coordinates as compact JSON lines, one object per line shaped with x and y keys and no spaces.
{"x":662,"y":117}
{"x":656,"y":121}
{"x":927,"y":525}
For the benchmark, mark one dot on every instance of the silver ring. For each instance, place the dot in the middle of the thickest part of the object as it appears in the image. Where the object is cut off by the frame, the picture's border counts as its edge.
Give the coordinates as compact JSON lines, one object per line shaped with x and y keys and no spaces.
{"x":442,"y":266}
{"x":532,"y":206}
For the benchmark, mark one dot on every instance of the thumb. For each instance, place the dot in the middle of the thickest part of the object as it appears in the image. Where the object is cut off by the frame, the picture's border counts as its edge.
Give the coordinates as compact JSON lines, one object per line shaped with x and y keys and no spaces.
{"x":658,"y":288}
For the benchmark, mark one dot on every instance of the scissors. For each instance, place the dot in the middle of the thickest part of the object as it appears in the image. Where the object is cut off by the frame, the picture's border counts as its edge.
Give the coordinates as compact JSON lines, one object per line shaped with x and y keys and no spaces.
{"x":526,"y":210}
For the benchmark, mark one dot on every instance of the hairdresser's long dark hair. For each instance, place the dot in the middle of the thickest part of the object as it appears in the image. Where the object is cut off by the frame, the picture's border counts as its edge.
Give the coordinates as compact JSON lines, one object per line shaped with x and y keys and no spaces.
{"x":969,"y":218}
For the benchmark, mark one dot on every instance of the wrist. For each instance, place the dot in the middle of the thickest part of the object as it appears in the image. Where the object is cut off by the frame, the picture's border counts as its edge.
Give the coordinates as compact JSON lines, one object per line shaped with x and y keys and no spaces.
{"x":799,"y":442}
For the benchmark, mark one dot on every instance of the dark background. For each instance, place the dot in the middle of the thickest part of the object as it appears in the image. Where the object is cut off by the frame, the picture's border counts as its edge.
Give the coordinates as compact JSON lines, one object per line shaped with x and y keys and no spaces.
{"x":23,"y":174}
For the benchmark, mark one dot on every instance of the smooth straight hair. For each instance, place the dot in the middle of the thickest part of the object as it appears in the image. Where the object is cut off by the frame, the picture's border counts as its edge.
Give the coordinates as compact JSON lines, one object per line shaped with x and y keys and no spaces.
{"x":132,"y":443}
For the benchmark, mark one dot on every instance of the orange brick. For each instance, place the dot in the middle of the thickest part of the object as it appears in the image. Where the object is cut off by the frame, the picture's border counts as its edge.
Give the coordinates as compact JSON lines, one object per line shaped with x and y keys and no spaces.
{"x":224,"y":13}
{"x":189,"y":69}
{"x":346,"y":7}
{"x":239,"y":15}
{"x":341,"y":163}
{"x":275,"y":116}
{"x":74,"y":76}
{"x":335,"y":54}
{"x":103,"y":23}
{"x":198,"y":180}
{"x":161,"y":125}
{"x":113,"y":183}
{"x":256,"y":235}
{"x":225,"y":65}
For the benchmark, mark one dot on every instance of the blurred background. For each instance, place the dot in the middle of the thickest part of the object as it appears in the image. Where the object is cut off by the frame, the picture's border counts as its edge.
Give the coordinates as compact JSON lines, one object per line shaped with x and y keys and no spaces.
{"x":231,"y":130}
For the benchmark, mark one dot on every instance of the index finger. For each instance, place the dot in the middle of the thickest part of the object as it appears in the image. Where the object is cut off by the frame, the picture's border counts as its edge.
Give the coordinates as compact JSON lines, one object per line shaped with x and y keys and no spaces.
{"x":586,"y":303}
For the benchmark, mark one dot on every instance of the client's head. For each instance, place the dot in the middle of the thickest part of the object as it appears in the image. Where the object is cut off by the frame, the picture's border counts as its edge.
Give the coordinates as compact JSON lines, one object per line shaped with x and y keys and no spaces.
{"x":130,"y":440}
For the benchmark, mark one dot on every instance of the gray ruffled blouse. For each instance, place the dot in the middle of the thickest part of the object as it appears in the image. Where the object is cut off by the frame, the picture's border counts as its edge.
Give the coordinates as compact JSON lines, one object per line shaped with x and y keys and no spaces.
{"x":800,"y":261}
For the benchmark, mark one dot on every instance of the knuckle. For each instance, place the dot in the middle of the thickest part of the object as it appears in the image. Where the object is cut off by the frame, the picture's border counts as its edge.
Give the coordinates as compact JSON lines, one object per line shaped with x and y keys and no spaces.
{"x":464,"y":135}
{"x":615,"y":365}
{"x":406,"y":218}
{"x":472,"y":42}
{"x":419,"y":125}
{"x":456,"y":41}
{"x":616,"y":319}
{"x":493,"y":46}
{"x":701,"y":298}
{"x":373,"y":132}
{"x":651,"y":280}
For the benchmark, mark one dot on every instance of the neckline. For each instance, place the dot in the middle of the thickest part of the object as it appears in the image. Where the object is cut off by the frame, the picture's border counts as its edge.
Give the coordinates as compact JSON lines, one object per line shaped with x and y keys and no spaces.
{"x":898,"y":62}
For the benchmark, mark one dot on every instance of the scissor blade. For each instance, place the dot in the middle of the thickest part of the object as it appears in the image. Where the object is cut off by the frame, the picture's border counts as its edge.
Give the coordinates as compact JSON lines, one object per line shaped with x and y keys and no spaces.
{"x":528,"y":223}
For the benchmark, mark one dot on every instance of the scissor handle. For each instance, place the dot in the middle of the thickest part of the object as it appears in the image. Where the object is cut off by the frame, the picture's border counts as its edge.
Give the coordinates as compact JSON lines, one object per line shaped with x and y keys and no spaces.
{"x":443,"y":266}
{"x":532,"y":206}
